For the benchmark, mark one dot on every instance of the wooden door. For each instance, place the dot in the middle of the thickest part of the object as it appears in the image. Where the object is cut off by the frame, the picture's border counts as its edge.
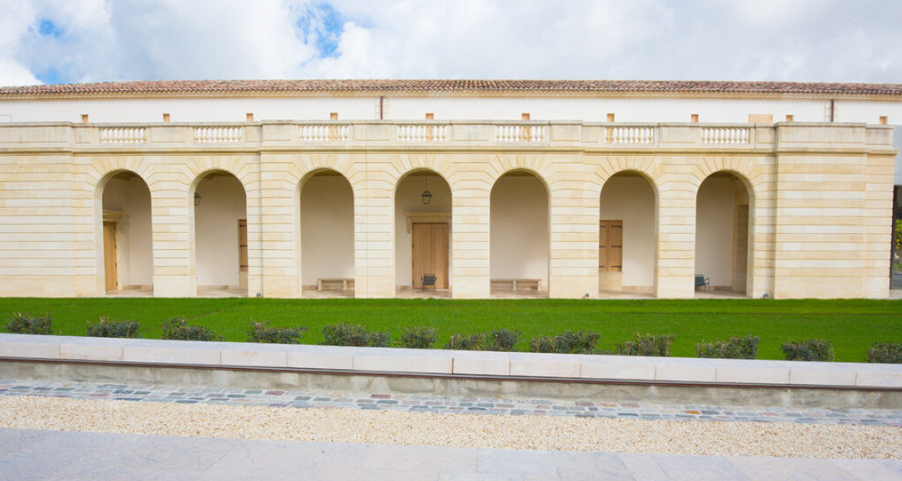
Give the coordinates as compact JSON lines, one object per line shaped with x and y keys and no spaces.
{"x":430,"y":253}
{"x":110,"y":266}
{"x":610,"y":246}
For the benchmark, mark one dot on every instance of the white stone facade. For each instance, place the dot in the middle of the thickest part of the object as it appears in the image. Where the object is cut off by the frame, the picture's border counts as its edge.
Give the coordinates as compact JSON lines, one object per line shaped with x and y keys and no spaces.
{"x":787,"y":209}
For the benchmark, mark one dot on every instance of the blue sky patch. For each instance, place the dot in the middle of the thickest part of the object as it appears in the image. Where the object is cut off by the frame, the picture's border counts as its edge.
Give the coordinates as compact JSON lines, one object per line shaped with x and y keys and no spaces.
{"x":49,"y":29}
{"x":322,"y":24}
{"x":51,"y":76}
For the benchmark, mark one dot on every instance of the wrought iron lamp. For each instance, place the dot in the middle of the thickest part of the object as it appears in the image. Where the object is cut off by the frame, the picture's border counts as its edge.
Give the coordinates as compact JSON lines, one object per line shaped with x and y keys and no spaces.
{"x":426,"y":195}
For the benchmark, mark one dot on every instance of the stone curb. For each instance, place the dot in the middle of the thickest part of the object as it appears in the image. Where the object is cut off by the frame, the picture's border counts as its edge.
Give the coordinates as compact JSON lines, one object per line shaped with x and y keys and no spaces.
{"x":444,"y":362}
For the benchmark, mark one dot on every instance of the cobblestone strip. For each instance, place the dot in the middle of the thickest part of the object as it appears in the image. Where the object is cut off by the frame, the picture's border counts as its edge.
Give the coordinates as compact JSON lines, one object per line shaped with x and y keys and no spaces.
{"x":449,"y":405}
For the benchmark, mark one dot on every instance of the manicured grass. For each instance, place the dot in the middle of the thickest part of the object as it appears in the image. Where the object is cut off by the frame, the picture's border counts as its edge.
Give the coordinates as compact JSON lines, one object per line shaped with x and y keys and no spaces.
{"x":852,"y":325}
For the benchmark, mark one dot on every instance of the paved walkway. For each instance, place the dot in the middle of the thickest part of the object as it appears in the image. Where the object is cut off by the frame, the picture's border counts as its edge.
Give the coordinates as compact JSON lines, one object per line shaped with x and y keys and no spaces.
{"x":58,"y":455}
{"x":435,"y":404}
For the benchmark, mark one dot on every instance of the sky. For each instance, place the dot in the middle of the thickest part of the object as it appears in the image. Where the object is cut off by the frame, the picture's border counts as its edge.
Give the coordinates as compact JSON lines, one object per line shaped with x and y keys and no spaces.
{"x":69,"y":41}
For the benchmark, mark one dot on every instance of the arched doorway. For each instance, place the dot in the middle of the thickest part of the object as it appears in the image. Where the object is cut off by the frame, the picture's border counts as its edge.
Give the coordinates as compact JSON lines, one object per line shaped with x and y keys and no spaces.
{"x":220,"y":235}
{"x":519,"y":236}
{"x":423,"y":235}
{"x":722,"y":240}
{"x":126,"y":242}
{"x":626,"y":236}
{"x":327,"y":235}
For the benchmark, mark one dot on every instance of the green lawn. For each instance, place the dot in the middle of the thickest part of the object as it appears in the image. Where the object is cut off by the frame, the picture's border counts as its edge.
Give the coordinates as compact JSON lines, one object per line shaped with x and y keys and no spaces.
{"x":852,"y":325}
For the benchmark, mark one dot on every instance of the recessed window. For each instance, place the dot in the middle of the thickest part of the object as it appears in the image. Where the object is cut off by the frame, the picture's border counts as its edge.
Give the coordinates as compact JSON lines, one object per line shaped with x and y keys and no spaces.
{"x":250,"y":116}
{"x":166,"y":118}
{"x":610,"y":117}
{"x":84,"y":118}
{"x":524,"y":116}
{"x":694,"y":118}
{"x":789,"y":117}
{"x":883,"y":120}
{"x":333,"y":116}
{"x":430,"y":116}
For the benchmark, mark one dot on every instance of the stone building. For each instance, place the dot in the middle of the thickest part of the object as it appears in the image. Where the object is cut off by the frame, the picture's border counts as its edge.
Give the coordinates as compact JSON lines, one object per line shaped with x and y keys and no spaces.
{"x":368,"y":188}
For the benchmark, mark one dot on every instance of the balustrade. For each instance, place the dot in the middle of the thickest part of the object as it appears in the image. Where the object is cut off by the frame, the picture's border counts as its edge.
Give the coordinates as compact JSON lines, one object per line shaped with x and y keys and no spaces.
{"x":630,"y":135}
{"x":520,"y":133}
{"x":123,"y":135}
{"x":218,"y":135}
{"x":725,"y":135}
{"x":422,"y":133}
{"x":325,"y":133}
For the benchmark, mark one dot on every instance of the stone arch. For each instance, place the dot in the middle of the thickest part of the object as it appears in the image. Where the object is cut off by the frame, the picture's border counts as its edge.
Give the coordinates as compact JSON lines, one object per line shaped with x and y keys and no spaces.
{"x":725,"y":211}
{"x":325,"y":211}
{"x":628,"y":216}
{"x":422,"y":232}
{"x":123,"y":232}
{"x":519,"y":241}
{"x":213,"y":263}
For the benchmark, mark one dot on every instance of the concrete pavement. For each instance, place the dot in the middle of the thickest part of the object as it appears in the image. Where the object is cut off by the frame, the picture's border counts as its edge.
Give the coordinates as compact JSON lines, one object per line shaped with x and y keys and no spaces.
{"x":58,"y":455}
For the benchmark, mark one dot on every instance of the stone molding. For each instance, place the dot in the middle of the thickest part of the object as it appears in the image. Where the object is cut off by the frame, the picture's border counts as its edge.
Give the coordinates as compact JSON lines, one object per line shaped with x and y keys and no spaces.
{"x":426,"y":362}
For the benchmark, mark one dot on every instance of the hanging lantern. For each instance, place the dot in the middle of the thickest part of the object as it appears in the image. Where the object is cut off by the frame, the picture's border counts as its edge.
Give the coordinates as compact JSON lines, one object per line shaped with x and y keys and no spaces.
{"x":426,"y":195}
{"x":196,"y":200}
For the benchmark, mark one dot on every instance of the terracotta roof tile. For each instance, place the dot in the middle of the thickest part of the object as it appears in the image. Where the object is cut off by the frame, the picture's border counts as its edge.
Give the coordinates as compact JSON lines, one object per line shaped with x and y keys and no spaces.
{"x":558,"y":86}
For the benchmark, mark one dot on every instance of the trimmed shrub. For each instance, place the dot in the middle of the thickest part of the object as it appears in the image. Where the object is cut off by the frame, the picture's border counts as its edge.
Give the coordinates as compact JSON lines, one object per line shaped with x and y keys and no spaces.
{"x":418,"y":337}
{"x":885,"y":352}
{"x":104,"y":327}
{"x":733,"y":348}
{"x":646,"y":345}
{"x":263,"y":332}
{"x":808,"y":350}
{"x":541,"y":344}
{"x":178,"y":328}
{"x":467,"y":342}
{"x":569,"y":342}
{"x":353,"y":335}
{"x":30,"y":324}
{"x":502,"y":340}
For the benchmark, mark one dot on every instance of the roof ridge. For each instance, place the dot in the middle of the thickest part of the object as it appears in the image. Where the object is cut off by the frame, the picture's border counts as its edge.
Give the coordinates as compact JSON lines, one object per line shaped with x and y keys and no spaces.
{"x":424,"y":85}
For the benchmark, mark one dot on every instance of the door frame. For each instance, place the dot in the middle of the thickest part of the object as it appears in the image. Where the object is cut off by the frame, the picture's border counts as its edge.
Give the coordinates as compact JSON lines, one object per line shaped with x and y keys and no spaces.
{"x":413,"y":274}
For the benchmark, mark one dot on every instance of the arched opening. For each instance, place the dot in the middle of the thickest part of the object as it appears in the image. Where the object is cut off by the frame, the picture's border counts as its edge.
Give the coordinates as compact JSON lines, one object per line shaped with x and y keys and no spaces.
{"x":626,"y":236}
{"x":519,"y":236}
{"x":126,"y":242}
{"x":423,"y":235}
{"x":722,"y":240}
{"x":327,"y":236}
{"x":220,"y":235}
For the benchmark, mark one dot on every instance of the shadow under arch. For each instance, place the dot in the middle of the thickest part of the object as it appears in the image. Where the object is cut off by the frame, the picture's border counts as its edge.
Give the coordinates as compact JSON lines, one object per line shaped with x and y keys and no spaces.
{"x":520,"y":234}
{"x":724,"y":232}
{"x":123,"y":239}
{"x":325,"y":239}
{"x":628,"y":235}
{"x":219,"y":247}
{"x":422,"y":233}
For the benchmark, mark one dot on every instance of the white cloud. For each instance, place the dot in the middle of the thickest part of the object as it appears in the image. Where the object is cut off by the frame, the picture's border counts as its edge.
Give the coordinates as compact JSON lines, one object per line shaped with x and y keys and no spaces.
{"x":805,"y":40}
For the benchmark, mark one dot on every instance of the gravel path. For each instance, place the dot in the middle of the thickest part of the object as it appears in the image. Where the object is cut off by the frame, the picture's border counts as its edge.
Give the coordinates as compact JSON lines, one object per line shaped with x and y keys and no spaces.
{"x":490,"y":431}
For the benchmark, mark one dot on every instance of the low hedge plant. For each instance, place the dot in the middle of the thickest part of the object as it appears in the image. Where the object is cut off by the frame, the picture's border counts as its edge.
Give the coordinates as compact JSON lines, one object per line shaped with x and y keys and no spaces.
{"x":264,"y":333}
{"x":467,"y":342}
{"x":733,"y":348}
{"x":885,"y":352}
{"x":104,"y":327}
{"x":818,"y":350}
{"x":568,"y":342}
{"x":178,"y":328}
{"x":21,"y":323}
{"x":502,"y":340}
{"x":418,"y":337}
{"x":343,"y":334}
{"x":646,"y":345}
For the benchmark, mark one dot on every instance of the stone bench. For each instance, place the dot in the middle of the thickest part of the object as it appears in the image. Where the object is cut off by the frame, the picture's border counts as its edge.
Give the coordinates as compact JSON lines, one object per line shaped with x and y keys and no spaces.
{"x":334,"y":284}
{"x":516,"y":285}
